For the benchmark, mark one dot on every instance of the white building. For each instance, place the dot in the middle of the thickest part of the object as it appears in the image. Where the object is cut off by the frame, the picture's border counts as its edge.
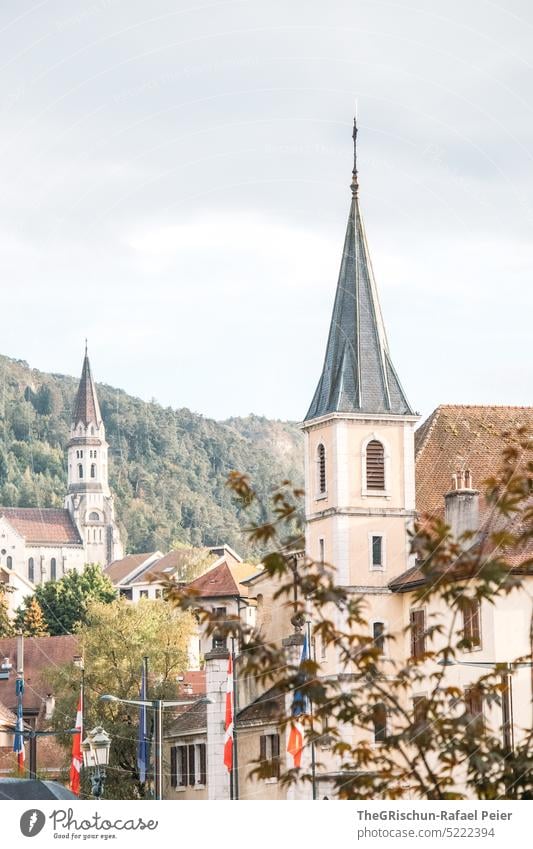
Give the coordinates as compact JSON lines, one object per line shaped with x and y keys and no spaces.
{"x":39,"y":544}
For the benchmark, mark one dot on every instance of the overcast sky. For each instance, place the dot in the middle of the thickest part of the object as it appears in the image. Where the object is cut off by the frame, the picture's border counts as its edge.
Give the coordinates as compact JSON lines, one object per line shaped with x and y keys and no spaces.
{"x":175,"y":186}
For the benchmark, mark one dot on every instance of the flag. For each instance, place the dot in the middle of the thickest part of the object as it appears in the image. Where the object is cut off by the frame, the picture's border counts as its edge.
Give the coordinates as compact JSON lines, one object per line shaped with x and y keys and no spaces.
{"x":18,"y":742}
{"x":228,"y":739}
{"x":142,"y":743}
{"x":300,"y":707}
{"x":75,"y":766}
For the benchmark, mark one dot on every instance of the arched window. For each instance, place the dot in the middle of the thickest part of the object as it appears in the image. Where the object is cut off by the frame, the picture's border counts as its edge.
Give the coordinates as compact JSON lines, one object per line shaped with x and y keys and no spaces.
{"x":321,"y":469}
{"x":94,"y":517}
{"x":80,"y":470}
{"x":53,"y":569}
{"x":375,"y":465}
{"x":93,"y":470}
{"x":92,"y":430}
{"x":31,"y":570}
{"x":9,"y":562}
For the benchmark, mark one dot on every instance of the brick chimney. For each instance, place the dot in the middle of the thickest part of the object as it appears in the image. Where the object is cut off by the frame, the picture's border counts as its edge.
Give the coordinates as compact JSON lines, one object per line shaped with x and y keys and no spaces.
{"x":462,"y":504}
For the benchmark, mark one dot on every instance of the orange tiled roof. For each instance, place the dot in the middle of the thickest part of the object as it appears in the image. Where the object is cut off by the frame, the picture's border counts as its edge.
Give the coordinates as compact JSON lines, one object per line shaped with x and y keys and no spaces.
{"x":217,"y":582}
{"x":461,"y":437}
{"x":118,"y":570}
{"x":47,"y":525}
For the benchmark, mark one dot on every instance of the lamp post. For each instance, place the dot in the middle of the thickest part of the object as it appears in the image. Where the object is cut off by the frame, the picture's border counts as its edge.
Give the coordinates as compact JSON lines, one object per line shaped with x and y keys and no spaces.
{"x":158,"y":706}
{"x":95,"y":750}
{"x":507,"y":692}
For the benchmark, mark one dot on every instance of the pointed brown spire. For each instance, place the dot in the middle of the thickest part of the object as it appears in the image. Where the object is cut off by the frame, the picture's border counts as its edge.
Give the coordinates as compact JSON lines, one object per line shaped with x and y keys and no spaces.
{"x":86,"y":406}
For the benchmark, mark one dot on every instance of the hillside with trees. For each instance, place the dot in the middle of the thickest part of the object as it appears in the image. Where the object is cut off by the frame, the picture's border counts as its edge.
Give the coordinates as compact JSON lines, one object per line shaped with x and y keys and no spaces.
{"x":167,"y":468}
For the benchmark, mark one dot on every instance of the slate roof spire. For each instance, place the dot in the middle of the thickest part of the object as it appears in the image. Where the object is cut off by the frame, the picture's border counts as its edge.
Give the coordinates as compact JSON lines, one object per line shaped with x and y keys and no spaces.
{"x":86,"y":406}
{"x":358,"y":375}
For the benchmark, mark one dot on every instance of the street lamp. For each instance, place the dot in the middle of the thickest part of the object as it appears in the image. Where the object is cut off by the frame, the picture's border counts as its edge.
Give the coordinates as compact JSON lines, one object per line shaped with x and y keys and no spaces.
{"x":507,"y":691}
{"x":156,"y":705}
{"x":95,"y":750}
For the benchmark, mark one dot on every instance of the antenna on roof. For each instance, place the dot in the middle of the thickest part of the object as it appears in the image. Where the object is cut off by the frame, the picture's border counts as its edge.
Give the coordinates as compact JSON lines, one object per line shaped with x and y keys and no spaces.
{"x":355,"y":184}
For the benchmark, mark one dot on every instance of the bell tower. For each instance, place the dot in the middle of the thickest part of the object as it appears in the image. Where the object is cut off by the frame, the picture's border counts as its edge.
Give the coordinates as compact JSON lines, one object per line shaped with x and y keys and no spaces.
{"x":89,"y":499}
{"x":359,"y":445}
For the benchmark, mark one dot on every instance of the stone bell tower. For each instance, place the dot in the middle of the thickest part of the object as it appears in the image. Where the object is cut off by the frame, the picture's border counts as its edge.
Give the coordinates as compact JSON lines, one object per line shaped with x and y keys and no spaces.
{"x":89,"y":499}
{"x":359,"y":446}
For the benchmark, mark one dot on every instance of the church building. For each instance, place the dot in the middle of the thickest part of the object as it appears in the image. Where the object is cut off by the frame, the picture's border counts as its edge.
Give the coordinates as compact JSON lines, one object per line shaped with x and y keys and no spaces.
{"x":39,"y":544}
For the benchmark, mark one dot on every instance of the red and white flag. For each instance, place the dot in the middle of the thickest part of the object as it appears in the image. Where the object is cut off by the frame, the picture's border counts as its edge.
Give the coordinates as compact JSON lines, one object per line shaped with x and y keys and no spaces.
{"x":75,"y":767}
{"x":228,"y":739}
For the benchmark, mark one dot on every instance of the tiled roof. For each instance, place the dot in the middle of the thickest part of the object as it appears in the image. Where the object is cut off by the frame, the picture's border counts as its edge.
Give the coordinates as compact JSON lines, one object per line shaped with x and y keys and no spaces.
{"x":217,"y":582}
{"x":269,"y":707}
{"x":358,"y":375}
{"x":196,"y":681}
{"x":168,"y":565}
{"x":461,"y":437}
{"x":86,"y":407}
{"x":7,"y":717}
{"x":119,"y":570}
{"x":40,"y":655}
{"x":192,"y":719}
{"x":44,"y":525}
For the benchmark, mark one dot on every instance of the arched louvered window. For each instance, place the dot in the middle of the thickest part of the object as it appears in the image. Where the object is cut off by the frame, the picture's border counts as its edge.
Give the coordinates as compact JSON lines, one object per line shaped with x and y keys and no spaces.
{"x":375,"y":465}
{"x":321,"y":470}
{"x":31,"y":570}
{"x":53,"y":569}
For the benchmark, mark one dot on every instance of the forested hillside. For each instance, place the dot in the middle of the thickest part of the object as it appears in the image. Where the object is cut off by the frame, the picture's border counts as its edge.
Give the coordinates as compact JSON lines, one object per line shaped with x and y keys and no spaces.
{"x":168,"y":467}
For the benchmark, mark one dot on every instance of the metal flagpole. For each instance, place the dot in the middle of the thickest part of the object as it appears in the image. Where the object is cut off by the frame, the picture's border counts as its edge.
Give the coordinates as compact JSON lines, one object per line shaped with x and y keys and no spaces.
{"x":235,"y":764}
{"x":313,"y":754}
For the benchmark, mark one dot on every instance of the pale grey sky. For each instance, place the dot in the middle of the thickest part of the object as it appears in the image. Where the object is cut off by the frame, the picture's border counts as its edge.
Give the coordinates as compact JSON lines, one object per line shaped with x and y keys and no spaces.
{"x":175,"y":187}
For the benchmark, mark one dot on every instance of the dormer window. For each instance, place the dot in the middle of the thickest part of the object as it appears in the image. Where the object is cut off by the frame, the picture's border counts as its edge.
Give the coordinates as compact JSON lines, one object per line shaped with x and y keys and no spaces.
{"x":321,"y":470}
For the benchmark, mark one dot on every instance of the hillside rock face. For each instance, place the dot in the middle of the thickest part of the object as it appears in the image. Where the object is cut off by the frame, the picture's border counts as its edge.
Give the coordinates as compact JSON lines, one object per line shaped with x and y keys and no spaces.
{"x":168,"y":468}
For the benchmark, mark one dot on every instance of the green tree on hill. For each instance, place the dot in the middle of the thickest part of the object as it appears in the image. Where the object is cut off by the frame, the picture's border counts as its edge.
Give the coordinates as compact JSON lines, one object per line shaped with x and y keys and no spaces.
{"x":65,"y":602}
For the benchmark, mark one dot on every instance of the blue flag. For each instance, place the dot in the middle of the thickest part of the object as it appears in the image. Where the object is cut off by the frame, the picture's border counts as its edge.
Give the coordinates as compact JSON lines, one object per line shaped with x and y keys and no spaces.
{"x":300,"y":707}
{"x":18,"y":742}
{"x":142,"y":745}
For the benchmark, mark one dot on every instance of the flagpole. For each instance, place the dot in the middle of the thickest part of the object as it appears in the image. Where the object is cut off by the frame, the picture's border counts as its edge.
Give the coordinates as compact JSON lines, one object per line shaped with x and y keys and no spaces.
{"x":20,"y":708}
{"x":313,"y":758}
{"x":235,"y":765}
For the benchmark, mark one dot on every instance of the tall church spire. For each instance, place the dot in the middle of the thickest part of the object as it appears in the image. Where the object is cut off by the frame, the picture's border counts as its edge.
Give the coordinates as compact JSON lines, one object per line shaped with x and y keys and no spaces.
{"x":86,"y":406}
{"x":358,"y":375}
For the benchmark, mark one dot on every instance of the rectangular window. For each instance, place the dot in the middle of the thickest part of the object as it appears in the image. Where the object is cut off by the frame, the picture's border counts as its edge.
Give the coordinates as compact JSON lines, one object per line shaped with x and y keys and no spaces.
{"x":420,"y":706}
{"x":321,"y":552}
{"x":143,"y":594}
{"x":474,"y":707}
{"x":418,"y":633}
{"x":379,"y":720}
{"x":377,"y":552}
{"x":188,"y":765}
{"x":472,"y":623}
{"x":269,"y":755}
{"x":378,"y":635}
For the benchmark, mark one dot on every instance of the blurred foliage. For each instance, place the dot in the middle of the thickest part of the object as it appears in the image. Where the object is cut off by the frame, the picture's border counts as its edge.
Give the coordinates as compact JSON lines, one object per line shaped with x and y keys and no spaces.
{"x":167,"y":467}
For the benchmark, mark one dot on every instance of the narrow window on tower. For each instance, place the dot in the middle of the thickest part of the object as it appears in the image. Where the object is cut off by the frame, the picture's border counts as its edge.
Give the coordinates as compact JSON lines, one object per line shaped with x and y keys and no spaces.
{"x":377,"y":551}
{"x":321,"y":552}
{"x":93,"y":470}
{"x":375,"y":466}
{"x":321,"y":470}
{"x":31,"y":570}
{"x":80,"y":470}
{"x":378,"y":635}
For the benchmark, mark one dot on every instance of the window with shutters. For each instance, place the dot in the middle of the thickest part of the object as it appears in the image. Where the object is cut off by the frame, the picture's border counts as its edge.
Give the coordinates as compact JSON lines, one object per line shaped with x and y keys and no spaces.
{"x":474,"y":707}
{"x":378,"y":635}
{"x":321,"y":487}
{"x":417,"y":622}
{"x":375,"y":466}
{"x":379,"y":721}
{"x":472,"y":624}
{"x":269,"y":756}
{"x":188,"y":765}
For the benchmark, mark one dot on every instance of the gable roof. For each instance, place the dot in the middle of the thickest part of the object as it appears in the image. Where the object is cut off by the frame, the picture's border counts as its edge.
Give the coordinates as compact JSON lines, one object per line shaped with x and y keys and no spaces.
{"x":43,"y":525}
{"x":40,"y":655}
{"x":458,"y":437}
{"x":358,"y":375}
{"x":86,"y":407}
{"x":217,"y":582}
{"x":119,"y":570}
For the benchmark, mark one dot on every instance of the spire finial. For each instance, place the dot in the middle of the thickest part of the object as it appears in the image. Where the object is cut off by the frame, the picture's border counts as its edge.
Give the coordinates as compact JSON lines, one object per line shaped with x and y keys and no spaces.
{"x":355,"y":184}
{"x":85,"y":346}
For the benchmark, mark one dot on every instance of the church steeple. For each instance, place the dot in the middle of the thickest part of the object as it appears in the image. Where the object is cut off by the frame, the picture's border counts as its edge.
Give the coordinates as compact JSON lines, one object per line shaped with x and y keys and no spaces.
{"x":358,"y":375}
{"x":86,"y":406}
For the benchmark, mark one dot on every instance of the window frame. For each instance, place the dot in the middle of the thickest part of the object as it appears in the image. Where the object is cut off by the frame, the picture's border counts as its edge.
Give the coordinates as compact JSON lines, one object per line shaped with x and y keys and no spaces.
{"x":270,"y":753}
{"x":417,"y":635}
{"x":369,"y":492}
{"x":472,"y":632}
{"x":382,"y":638}
{"x":371,"y":566}
{"x":188,"y":766}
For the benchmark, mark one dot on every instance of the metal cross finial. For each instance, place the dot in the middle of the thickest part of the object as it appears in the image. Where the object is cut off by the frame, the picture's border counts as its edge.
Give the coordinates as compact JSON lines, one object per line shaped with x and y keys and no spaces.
{"x":355,"y":183}
{"x":85,"y":346}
